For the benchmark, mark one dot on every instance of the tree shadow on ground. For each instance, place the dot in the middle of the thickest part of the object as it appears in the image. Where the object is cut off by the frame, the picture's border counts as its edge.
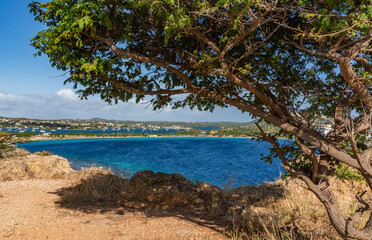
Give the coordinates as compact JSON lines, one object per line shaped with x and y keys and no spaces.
{"x":108,"y":193}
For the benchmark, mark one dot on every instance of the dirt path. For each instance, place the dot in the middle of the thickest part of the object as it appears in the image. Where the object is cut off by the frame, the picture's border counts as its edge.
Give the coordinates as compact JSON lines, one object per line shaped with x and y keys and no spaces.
{"x":28,"y":211}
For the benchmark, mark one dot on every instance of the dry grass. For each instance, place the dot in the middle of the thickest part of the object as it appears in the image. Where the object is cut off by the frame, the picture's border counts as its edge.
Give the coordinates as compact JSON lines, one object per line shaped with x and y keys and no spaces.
{"x":287,"y":210}
{"x":270,"y":211}
{"x":97,"y":188}
{"x":14,"y":153}
{"x":43,"y":153}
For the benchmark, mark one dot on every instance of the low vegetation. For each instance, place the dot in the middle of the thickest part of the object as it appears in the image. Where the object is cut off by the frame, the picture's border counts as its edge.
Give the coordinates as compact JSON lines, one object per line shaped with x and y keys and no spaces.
{"x":5,"y":144}
{"x":43,"y":153}
{"x":279,"y":210}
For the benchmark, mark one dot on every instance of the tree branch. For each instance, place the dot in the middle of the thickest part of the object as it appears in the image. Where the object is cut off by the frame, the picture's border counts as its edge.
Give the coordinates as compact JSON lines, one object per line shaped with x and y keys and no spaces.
{"x":204,"y":39}
{"x":139,"y":57}
{"x":313,"y":159}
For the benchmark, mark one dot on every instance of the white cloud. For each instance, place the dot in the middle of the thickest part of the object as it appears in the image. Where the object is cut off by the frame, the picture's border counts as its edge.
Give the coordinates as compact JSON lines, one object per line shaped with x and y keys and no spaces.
{"x":65,"y":104}
{"x":67,"y":94}
{"x":6,"y":96}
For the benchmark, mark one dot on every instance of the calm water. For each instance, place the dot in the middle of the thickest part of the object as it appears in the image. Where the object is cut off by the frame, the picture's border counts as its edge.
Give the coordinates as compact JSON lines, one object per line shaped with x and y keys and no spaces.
{"x":214,"y":160}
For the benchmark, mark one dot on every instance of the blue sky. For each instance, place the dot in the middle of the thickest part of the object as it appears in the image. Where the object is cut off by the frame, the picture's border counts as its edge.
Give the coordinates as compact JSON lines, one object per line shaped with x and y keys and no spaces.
{"x":21,"y":73}
{"x":30,"y":87}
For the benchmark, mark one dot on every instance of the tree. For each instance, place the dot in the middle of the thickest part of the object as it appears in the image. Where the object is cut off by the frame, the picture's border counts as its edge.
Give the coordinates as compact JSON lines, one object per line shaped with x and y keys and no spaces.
{"x":293,"y":64}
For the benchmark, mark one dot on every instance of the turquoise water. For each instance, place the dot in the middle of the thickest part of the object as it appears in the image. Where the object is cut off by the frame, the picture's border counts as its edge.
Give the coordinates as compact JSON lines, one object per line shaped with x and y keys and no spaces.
{"x":214,"y":160}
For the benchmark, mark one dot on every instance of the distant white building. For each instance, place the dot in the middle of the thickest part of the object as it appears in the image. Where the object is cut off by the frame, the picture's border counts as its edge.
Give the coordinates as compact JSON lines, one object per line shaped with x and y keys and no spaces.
{"x":324,"y":129}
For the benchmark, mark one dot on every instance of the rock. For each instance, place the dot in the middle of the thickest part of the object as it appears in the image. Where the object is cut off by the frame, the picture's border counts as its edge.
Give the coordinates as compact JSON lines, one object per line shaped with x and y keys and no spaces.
{"x":210,"y":192}
{"x":216,"y":200}
{"x":34,"y":166}
{"x":163,"y":189}
{"x":86,"y":173}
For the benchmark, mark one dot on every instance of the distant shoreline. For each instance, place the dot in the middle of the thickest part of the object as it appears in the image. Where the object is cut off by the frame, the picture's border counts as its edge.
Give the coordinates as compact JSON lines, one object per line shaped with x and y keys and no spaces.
{"x":41,"y":138}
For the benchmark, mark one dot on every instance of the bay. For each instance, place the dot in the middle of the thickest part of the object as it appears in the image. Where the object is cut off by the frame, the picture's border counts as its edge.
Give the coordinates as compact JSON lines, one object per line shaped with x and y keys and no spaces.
{"x":219,"y":161}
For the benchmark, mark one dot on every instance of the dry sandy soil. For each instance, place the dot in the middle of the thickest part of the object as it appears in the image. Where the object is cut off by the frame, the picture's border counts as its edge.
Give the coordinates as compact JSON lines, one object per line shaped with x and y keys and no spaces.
{"x":29,"y":209}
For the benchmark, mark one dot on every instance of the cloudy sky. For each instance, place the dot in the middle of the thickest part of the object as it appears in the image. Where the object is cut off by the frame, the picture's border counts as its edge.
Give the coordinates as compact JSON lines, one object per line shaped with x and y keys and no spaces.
{"x":65,"y":104}
{"x":30,"y":87}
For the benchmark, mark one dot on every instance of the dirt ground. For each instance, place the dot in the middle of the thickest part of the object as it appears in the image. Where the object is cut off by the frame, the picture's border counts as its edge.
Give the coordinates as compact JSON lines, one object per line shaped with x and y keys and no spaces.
{"x":29,"y":209}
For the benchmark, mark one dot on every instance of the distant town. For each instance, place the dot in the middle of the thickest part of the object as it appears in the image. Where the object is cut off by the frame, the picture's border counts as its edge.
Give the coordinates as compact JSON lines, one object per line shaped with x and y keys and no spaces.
{"x":99,"y":126}
{"x":99,"y":123}
{"x":243,"y":129}
{"x":85,"y":124}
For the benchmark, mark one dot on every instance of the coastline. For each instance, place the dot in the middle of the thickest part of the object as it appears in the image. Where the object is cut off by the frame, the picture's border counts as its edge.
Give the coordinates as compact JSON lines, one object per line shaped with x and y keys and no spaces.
{"x":23,"y":140}
{"x":67,"y":137}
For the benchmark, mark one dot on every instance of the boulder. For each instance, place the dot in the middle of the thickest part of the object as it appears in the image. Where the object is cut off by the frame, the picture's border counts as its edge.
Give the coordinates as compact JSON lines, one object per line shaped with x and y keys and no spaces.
{"x":84,"y":174}
{"x":210,"y":192}
{"x":34,"y":166}
{"x":216,"y":200}
{"x":163,"y":189}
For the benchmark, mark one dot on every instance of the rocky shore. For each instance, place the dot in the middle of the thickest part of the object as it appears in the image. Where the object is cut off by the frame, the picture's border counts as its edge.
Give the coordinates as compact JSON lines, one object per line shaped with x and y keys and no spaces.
{"x":154,"y":189}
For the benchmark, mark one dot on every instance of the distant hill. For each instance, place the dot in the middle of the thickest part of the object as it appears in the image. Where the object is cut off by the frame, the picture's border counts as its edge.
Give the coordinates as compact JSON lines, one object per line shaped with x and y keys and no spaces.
{"x":159,"y":123}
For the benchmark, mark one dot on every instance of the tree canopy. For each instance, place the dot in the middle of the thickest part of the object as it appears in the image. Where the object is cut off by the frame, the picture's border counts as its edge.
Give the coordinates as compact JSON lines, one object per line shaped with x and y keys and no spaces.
{"x":299,"y":65}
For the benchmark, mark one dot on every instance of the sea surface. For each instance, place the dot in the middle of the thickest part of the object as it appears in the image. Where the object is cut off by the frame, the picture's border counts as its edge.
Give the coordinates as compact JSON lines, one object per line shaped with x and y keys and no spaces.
{"x":219,"y":161}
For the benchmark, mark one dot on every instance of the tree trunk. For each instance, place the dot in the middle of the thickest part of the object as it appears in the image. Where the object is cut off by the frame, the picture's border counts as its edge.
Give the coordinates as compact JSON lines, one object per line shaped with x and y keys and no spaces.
{"x":322,"y":189}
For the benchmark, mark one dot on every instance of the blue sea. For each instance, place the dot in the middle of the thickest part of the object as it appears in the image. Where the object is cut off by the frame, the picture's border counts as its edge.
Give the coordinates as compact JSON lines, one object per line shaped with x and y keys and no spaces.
{"x":219,"y":161}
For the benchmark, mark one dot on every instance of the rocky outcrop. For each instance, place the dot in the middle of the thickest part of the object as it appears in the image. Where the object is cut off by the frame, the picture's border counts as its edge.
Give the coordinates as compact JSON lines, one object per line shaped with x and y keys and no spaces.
{"x":34,"y":166}
{"x":157,"y":189}
{"x":163,"y":189}
{"x":171,"y":190}
{"x":216,"y":200}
